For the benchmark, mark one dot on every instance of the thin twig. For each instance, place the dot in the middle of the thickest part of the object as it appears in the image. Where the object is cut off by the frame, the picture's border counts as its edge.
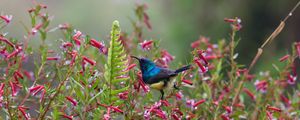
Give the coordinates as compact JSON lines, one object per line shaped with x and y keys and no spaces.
{"x":260,"y":50}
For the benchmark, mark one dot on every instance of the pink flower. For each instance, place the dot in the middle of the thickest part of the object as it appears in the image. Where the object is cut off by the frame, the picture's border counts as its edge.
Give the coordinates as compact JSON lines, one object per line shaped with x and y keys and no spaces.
{"x":116,"y":109}
{"x":67,"y":116}
{"x":22,"y":109}
{"x":189,"y":82}
{"x":99,"y":46}
{"x":249,"y":93}
{"x":14,"y":53}
{"x":292,"y":79}
{"x":18,"y":74}
{"x":123,"y":95}
{"x":190,"y":103}
{"x":199,"y":103}
{"x":36,"y":89}
{"x":72,"y":100}
{"x":273,"y":109}
{"x":201,"y":56}
{"x":269,"y":115}
{"x":147,"y":44}
{"x":107,"y":115}
{"x":179,"y":95}
{"x":284,"y":58}
{"x":202,"y":68}
{"x":6,"y":18}
{"x":165,"y":103}
{"x":64,"y":26}
{"x":67,"y":44}
{"x":261,"y":86}
{"x":76,"y":38}
{"x":285,"y":100}
{"x":141,"y":83}
{"x":131,"y":66}
{"x":161,"y":114}
{"x":228,"y":109}
{"x":177,"y":113}
{"x":225,"y":117}
{"x":195,"y":44}
{"x":52,"y":58}
{"x":235,"y":23}
{"x":166,"y":56}
{"x":36,"y":28}
{"x":90,"y":61}
{"x":14,"y":88}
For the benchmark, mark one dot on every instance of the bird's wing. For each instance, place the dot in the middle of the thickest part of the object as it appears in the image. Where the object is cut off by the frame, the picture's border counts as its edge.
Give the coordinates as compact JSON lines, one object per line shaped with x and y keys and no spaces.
{"x":163,"y":74}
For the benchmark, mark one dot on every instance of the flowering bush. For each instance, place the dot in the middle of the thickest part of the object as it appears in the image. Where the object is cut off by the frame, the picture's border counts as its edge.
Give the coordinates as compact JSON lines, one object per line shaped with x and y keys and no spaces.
{"x":88,"y":78}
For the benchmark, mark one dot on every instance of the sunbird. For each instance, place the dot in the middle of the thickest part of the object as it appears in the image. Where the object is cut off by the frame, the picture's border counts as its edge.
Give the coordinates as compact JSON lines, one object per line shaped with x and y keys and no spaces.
{"x":157,"y":77}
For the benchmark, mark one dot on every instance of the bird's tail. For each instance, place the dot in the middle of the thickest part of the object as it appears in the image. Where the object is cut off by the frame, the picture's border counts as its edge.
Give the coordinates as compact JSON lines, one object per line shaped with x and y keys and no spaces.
{"x":183,"y":69}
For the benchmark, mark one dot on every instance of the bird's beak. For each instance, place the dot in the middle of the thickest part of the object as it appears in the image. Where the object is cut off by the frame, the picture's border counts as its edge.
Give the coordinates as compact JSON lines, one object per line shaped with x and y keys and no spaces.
{"x":135,"y":57}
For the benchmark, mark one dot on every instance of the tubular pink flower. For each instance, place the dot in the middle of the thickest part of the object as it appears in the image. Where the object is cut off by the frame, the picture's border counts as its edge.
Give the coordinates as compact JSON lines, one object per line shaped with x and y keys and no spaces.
{"x":36,"y":28}
{"x":203,"y":68}
{"x":52,"y":58}
{"x":161,"y":114}
{"x":116,"y":109}
{"x":76,"y":38}
{"x":64,"y":26}
{"x":292,"y":79}
{"x":195,"y":44}
{"x":14,"y":53}
{"x":98,"y":45}
{"x":107,"y":115}
{"x":225,"y":117}
{"x":249,"y":93}
{"x":2,"y":85}
{"x":179,"y":95}
{"x":28,"y":74}
{"x":187,"y":81}
{"x":123,"y":95}
{"x":13,"y":88}
{"x":166,"y":56}
{"x":35,"y":90}
{"x":72,"y":100}
{"x":228,"y":109}
{"x":273,"y":109}
{"x":130,"y":67}
{"x":67,"y":44}
{"x":269,"y":115}
{"x":285,"y":100}
{"x":190,"y":103}
{"x":22,"y":109}
{"x":90,"y":61}
{"x":199,"y":103}
{"x":200,"y":54}
{"x":17,"y":73}
{"x":6,"y":18}
{"x":147,"y":44}
{"x":261,"y":85}
{"x":284,"y":58}
{"x":67,"y":116}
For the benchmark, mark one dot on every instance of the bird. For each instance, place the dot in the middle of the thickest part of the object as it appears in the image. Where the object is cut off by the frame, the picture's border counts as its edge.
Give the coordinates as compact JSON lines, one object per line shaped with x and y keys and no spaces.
{"x":157,"y":77}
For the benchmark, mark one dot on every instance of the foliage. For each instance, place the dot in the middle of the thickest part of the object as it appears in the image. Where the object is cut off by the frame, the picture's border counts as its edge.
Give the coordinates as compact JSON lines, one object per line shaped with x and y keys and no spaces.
{"x":84,"y":79}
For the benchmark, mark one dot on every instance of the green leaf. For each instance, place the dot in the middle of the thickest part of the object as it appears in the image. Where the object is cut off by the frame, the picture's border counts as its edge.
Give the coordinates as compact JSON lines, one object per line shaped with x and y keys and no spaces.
{"x":115,"y":66}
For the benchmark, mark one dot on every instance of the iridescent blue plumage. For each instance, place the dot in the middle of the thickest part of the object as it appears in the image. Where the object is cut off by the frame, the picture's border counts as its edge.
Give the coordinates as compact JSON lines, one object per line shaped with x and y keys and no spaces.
{"x":153,"y":74}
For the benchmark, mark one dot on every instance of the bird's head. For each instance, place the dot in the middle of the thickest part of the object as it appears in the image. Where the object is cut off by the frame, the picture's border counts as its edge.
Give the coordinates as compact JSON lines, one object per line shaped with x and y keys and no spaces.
{"x":145,"y":64}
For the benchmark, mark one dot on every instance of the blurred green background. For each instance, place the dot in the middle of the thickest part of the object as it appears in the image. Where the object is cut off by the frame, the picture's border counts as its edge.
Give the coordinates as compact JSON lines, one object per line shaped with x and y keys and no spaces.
{"x":176,"y":23}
